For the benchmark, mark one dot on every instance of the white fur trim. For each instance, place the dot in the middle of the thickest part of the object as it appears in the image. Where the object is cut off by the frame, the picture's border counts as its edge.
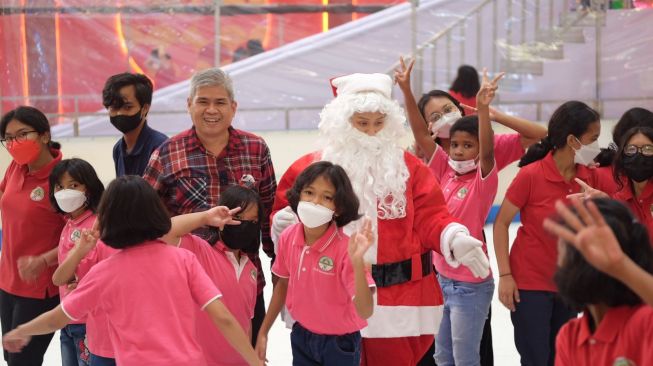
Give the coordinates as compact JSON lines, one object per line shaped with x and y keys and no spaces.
{"x":403,"y":321}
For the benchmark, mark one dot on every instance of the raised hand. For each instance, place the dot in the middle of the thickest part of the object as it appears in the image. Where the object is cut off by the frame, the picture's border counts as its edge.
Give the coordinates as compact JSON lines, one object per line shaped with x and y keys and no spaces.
{"x":589,"y":234}
{"x":402,"y":74}
{"x":87,"y":241}
{"x":219,"y":216}
{"x":488,"y":88}
{"x":361,"y":241}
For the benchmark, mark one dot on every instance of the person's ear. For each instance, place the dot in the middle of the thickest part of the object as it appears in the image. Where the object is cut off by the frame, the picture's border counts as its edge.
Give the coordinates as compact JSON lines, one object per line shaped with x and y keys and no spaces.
{"x":145,"y":110}
{"x":573,"y":141}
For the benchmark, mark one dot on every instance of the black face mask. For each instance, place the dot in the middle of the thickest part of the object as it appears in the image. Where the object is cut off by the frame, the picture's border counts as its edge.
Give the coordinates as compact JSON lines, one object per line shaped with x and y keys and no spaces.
{"x":126,"y":124}
{"x":245,"y":237}
{"x":638,"y":167}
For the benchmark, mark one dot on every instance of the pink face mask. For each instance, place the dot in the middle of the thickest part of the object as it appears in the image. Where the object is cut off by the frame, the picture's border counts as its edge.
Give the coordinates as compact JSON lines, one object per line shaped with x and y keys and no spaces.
{"x":24,"y":152}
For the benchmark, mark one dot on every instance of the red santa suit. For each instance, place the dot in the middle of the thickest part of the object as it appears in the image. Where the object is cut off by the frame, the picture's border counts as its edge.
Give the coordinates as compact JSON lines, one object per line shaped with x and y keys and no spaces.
{"x":406,"y":315}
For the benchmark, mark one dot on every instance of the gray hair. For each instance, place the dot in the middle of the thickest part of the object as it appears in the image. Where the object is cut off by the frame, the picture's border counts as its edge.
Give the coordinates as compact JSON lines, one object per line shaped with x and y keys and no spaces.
{"x":211,"y":77}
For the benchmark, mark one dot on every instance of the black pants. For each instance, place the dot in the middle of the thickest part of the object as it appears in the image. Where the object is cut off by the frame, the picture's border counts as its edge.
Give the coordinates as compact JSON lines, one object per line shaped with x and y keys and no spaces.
{"x":16,"y":310}
{"x":537,"y":318}
{"x":257,"y":320}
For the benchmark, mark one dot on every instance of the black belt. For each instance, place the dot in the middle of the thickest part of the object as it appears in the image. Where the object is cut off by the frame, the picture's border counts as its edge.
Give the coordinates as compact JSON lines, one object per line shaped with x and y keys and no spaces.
{"x":390,"y":274}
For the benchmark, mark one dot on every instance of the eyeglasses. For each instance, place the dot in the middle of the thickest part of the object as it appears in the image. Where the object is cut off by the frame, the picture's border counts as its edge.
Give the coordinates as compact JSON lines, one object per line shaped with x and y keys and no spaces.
{"x":434,"y":117}
{"x":646,"y":150}
{"x":20,"y":137}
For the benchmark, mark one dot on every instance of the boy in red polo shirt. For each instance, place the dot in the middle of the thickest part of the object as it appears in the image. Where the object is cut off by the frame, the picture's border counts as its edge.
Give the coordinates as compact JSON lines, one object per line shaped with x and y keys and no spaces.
{"x":615,"y":328}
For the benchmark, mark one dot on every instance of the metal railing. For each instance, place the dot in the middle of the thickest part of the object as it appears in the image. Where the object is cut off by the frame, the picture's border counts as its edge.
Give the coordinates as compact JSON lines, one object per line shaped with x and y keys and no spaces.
{"x":419,"y":51}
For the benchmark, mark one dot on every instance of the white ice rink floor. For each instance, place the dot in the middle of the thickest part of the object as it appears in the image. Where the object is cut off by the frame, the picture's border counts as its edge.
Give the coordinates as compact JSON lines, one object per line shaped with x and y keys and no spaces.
{"x":279,"y":353}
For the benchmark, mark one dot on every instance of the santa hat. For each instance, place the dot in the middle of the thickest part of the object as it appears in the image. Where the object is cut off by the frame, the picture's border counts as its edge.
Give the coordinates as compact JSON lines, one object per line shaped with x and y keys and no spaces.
{"x":356,"y":83}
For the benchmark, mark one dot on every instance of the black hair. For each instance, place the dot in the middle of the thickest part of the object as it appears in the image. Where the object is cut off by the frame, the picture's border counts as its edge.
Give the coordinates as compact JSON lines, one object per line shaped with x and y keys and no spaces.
{"x":82,"y":172}
{"x":345,"y":199}
{"x":466,"y":82}
{"x":634,"y":117}
{"x":618,"y":169}
{"x":243,"y":197}
{"x":580,"y":284}
{"x":31,"y":117}
{"x":421,"y":105}
{"x":131,"y":212}
{"x":571,"y":118}
{"x":142,"y":89}
{"x":467,"y":124}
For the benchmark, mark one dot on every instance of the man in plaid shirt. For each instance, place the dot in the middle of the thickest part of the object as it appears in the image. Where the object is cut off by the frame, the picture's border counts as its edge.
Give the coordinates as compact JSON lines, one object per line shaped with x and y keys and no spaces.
{"x":191,"y":169}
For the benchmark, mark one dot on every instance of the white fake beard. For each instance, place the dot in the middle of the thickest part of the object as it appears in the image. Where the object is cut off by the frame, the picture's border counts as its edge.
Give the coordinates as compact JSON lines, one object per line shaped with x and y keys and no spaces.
{"x":377,"y":171}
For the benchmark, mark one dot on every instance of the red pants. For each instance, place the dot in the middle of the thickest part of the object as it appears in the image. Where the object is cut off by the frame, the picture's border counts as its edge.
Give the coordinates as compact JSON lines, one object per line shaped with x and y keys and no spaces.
{"x":406,"y":351}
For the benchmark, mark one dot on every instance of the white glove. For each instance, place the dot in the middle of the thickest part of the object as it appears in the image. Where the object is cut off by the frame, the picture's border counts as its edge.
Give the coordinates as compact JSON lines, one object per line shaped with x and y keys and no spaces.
{"x":458,"y":247}
{"x":468,"y":251}
{"x":280,"y":221}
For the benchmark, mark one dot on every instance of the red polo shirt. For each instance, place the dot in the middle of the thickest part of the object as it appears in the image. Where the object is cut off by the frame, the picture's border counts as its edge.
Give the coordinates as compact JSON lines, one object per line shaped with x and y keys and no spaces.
{"x":641,"y":206}
{"x":30,"y":227}
{"x":624,"y":337}
{"x":535,"y":190}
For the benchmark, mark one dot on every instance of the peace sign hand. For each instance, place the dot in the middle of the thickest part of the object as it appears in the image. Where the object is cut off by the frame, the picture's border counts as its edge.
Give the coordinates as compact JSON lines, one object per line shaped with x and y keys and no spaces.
{"x":402,"y":74}
{"x":488,"y":88}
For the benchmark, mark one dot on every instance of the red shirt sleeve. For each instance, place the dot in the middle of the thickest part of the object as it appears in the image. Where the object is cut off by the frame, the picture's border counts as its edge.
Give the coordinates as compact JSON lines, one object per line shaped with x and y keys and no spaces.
{"x":562,"y":346}
{"x":519,"y":191}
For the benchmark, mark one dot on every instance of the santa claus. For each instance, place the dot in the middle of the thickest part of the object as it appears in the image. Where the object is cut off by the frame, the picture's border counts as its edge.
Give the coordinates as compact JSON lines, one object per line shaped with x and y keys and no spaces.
{"x":360,"y":130}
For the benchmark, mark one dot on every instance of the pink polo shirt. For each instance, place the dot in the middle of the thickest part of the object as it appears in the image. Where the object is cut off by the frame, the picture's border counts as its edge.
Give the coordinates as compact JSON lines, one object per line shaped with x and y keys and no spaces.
{"x":237,"y":282}
{"x":149,"y":293}
{"x":321,"y":284}
{"x":30,"y":227}
{"x":469,"y":198}
{"x":534,"y":191}
{"x":507,"y":149}
{"x":624,"y":337}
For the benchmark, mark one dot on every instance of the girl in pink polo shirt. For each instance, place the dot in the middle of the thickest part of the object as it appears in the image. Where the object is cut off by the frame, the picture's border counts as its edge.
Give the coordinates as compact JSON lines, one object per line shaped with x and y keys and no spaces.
{"x":226,"y":263}
{"x":148,"y":290}
{"x":75,"y":191}
{"x":468,"y":177}
{"x":322,"y":278}
{"x":615,"y":328}
{"x":548,"y":173}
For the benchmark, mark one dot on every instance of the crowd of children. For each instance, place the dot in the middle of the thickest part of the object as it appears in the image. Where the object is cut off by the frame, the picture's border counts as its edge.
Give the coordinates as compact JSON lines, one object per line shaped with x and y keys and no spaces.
{"x":379,"y":255}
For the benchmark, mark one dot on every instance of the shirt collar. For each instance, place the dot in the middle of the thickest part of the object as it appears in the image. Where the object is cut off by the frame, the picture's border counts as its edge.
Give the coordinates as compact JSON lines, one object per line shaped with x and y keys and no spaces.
{"x":234,"y":143}
{"x":627,"y":194}
{"x":79,"y":219}
{"x":551,"y":172}
{"x":612,"y":323}
{"x":146,"y":131}
{"x":45,"y":171}
{"x":324,"y":241}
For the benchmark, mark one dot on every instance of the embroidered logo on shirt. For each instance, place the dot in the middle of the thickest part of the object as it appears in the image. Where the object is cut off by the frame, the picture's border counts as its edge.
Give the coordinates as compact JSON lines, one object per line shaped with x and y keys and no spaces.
{"x":37,"y":194}
{"x":326,"y":264}
{"x":623,"y":361}
{"x":253,"y":274}
{"x":247,"y":180}
{"x":75,"y":235}
{"x":462,"y":192}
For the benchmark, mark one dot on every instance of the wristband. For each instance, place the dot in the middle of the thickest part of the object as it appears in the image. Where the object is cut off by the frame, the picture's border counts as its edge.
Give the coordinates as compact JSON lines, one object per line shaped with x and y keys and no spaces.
{"x":505,"y":274}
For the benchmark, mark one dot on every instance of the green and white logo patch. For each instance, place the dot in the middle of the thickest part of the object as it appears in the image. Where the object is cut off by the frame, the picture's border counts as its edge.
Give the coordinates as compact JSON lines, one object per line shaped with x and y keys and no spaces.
{"x":326,"y":264}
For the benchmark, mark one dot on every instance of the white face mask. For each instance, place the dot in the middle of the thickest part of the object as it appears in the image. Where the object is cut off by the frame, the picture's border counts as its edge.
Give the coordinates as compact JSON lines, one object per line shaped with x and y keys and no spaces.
{"x":464,"y":166}
{"x":69,"y":200}
{"x":443,"y":125}
{"x":586,"y":154}
{"x":312,"y":215}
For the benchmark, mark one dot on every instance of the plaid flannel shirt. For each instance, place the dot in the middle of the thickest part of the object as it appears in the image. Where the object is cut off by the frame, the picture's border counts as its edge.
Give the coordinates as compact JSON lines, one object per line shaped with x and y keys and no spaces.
{"x":189,"y":179}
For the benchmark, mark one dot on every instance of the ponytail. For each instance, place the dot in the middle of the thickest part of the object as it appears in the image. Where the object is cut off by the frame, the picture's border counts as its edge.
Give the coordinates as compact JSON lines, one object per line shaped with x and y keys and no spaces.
{"x":536,"y":152}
